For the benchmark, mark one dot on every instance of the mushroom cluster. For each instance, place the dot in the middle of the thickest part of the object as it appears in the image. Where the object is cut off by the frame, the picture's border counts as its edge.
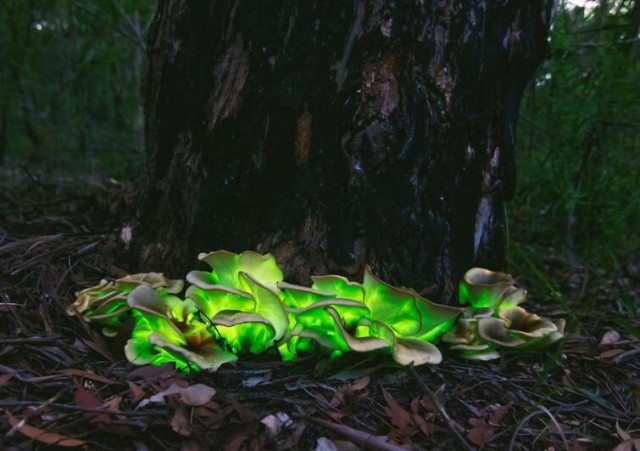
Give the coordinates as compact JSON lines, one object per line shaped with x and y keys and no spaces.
{"x":495,"y":319}
{"x":243,"y":306}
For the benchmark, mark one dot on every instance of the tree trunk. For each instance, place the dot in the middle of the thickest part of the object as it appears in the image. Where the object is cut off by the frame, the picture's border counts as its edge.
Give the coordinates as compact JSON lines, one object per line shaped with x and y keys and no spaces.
{"x":4,"y":135}
{"x":335,"y":134}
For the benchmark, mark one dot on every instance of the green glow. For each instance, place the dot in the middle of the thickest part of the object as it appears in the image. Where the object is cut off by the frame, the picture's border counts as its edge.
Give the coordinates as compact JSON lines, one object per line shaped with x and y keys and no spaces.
{"x":252,"y":337}
{"x":297,"y":297}
{"x":319,"y":325}
{"x":406,"y":312}
{"x":242,"y":306}
{"x":339,"y":287}
{"x":391,"y":305}
{"x":157,"y":340}
{"x":226,"y":268}
{"x":212,"y":301}
{"x":268,"y":304}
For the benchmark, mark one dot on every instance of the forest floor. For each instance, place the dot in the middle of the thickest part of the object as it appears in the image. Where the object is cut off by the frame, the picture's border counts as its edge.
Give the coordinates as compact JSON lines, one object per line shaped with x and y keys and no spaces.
{"x":62,"y":383}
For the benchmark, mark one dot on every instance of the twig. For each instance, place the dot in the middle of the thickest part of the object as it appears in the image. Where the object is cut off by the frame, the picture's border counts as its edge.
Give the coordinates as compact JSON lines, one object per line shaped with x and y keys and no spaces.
{"x":364,"y":439}
{"x":525,"y":420}
{"x":29,"y":340}
{"x":58,"y":405}
{"x":36,"y":411}
{"x":9,"y":247}
{"x":33,"y":260}
{"x":451,"y":424}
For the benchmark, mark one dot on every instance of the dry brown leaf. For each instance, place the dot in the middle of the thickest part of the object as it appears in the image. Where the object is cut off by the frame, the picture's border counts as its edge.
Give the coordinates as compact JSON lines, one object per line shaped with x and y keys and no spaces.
{"x":360,"y":384}
{"x":628,"y":445}
{"x":180,"y":423}
{"x":480,"y":433}
{"x":136,"y":391}
{"x":113,"y":404}
{"x":498,"y":413}
{"x":351,"y":394}
{"x":422,"y":421}
{"x":610,"y":353}
{"x":86,"y":398}
{"x":394,"y":410}
{"x":426,"y":427}
{"x":4,"y":378}
{"x":48,"y":438}
{"x":483,"y":429}
{"x":400,"y":418}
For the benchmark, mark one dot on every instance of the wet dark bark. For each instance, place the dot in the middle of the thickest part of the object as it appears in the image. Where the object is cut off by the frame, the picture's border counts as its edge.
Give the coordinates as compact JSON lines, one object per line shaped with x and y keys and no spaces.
{"x":336,"y":134}
{"x":3,"y":135}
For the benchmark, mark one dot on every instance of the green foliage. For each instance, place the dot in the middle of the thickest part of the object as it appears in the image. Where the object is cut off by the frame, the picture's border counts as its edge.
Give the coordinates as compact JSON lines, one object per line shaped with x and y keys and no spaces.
{"x":243,"y":306}
{"x":579,"y":137}
{"x":70,"y":72}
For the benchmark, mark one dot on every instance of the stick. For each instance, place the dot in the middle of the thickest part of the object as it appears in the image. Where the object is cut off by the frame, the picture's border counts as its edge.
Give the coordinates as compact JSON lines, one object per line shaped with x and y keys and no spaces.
{"x":360,"y":438}
{"x":451,"y":424}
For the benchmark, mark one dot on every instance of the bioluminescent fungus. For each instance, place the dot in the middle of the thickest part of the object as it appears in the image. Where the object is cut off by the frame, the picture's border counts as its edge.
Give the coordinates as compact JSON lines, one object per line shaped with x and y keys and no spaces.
{"x":243,"y":306}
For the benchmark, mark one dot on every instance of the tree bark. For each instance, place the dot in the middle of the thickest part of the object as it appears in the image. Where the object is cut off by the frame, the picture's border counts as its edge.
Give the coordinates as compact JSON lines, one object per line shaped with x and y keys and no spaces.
{"x":4,"y":133}
{"x":335,"y":134}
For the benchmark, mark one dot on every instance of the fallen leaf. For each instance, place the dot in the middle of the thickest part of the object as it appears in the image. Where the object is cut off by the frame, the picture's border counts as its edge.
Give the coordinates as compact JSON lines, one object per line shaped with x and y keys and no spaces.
{"x":4,"y":378}
{"x":86,"y":398}
{"x":180,"y":423}
{"x":136,"y":391}
{"x":480,"y":434}
{"x":360,"y":384}
{"x":483,"y":428}
{"x":113,"y":404}
{"x":394,"y":411}
{"x":48,"y":438}
{"x":351,"y":394}
{"x":275,"y":423}
{"x":423,"y":421}
{"x":498,"y":413}
{"x":400,"y":418}
{"x":610,"y":337}
{"x":194,"y":395}
{"x":628,"y":445}
{"x":610,"y":353}
{"x":426,"y":427}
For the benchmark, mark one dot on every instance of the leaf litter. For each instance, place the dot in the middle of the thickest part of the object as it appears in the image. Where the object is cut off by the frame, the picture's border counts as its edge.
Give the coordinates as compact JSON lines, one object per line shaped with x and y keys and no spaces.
{"x":63,"y":384}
